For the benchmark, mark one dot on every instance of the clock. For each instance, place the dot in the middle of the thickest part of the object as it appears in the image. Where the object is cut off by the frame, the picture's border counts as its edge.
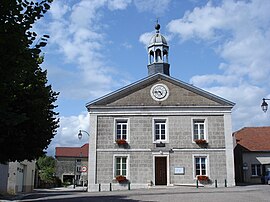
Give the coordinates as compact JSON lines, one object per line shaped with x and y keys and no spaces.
{"x":159,"y":92}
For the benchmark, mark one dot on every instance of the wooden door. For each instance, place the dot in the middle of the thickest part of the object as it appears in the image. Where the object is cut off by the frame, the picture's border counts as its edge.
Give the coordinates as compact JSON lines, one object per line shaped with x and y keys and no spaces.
{"x":160,"y":171}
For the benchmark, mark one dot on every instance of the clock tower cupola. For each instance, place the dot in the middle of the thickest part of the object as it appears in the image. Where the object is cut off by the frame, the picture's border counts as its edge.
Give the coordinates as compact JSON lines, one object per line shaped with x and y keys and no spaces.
{"x":158,"y":51}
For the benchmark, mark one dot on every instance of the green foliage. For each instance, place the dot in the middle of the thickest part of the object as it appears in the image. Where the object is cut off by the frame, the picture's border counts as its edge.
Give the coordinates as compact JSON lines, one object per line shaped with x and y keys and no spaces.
{"x":46,"y":166}
{"x":27,"y":118}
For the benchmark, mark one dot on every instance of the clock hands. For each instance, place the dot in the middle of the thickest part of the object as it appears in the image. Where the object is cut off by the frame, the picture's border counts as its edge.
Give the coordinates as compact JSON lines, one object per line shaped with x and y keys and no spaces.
{"x":158,"y":91}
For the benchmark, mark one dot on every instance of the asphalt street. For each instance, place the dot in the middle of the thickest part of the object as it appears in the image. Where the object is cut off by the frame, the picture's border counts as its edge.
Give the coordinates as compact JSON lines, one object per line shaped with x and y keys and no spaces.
{"x":253,"y":193}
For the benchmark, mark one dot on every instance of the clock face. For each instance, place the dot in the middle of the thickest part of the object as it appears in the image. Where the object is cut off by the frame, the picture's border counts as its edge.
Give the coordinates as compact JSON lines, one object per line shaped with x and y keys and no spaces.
{"x":159,"y":92}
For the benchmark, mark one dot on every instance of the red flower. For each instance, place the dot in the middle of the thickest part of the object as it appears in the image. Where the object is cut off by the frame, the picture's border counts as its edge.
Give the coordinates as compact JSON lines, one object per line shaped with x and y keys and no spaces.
{"x":200,"y":141}
{"x":121,"y":141}
{"x":121,"y":178}
{"x":202,"y":178}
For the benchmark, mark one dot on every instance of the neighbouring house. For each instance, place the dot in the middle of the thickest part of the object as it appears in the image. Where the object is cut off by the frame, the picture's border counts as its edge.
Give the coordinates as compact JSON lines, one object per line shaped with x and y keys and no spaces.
{"x":3,"y":177}
{"x":159,"y":131}
{"x":72,"y":162}
{"x":251,"y":154}
{"x":17,"y":177}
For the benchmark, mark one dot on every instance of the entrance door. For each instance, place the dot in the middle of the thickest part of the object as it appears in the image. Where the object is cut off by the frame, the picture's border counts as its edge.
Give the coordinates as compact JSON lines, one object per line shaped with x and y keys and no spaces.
{"x":160,"y":171}
{"x":20,"y":176}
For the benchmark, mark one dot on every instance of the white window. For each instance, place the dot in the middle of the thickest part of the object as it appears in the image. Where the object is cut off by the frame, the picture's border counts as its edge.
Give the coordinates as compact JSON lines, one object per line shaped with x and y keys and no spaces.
{"x":160,"y":130}
{"x":199,"y":129}
{"x":121,"y":165}
{"x":256,"y":169}
{"x":200,"y":165}
{"x":121,"y":129}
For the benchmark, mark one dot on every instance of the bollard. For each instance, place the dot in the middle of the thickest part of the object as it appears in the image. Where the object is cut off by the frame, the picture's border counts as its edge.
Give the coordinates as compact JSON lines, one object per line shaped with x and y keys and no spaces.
{"x":225,"y":183}
{"x":110,"y":186}
{"x":197,"y":184}
{"x":99,"y":187}
{"x":216,"y":183}
{"x":128,"y":185}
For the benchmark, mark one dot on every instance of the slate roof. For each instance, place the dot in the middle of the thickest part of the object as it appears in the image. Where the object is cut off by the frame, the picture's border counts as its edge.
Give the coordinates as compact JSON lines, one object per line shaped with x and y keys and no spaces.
{"x":253,"y":138}
{"x":72,"y":151}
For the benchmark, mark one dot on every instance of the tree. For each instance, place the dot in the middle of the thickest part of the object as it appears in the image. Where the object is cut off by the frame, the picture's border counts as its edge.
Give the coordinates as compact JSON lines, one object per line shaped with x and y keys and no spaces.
{"x":27,"y":118}
{"x":46,"y":165}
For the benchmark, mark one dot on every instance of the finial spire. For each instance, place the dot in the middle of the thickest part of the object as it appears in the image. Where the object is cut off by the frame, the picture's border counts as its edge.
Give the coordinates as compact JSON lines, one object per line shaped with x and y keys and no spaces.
{"x":157,"y":27}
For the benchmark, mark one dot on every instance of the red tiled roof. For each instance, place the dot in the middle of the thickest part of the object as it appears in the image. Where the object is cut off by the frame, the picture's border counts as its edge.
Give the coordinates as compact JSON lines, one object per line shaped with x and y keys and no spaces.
{"x":72,"y":151}
{"x":254,"y":138}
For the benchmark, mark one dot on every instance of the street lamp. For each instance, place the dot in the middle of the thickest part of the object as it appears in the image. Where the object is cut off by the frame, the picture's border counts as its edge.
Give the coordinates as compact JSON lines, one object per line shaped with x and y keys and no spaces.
{"x":80,"y":134}
{"x":264,"y":105}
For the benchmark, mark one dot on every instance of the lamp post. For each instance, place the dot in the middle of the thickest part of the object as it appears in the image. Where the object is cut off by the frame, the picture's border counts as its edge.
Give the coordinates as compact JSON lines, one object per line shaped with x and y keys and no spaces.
{"x":80,"y":137}
{"x":80,"y":134}
{"x":264,"y":105}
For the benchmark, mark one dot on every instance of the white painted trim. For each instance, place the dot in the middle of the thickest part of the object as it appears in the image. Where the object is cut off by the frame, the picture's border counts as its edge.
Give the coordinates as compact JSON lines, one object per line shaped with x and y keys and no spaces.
{"x":153,"y":95}
{"x":207,"y":163}
{"x":157,"y":110}
{"x":150,"y":150}
{"x":128,"y":126}
{"x":114,"y":164}
{"x":201,"y":149}
{"x":124,"y":150}
{"x":92,"y":154}
{"x":229,"y":150}
{"x":161,"y":154}
{"x":166,"y":130}
{"x":199,"y":118}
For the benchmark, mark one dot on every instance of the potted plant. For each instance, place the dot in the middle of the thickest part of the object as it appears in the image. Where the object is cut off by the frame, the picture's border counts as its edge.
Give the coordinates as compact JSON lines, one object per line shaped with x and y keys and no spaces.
{"x":121,"y":178}
{"x":203,"y":178}
{"x":121,"y":141}
{"x":200,"y":141}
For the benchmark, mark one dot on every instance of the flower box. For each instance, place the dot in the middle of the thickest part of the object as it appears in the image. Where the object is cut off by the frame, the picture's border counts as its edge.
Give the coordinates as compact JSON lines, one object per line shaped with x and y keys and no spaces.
{"x":200,"y":141}
{"x":121,"y":178}
{"x":121,"y":142}
{"x":202,"y":178}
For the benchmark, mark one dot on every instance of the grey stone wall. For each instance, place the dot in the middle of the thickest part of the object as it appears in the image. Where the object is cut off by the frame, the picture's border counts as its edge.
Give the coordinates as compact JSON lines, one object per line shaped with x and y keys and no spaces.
{"x":179,"y":96}
{"x":180,"y":137}
{"x":141,"y":166}
{"x":141,"y":137}
{"x":66,"y":166}
{"x":217,"y":166}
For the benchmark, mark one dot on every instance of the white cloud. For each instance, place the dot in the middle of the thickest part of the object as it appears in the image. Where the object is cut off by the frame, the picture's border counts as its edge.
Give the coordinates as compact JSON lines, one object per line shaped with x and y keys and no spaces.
{"x":127,"y":45}
{"x":58,"y":10}
{"x":80,"y":39}
{"x":67,"y":133}
{"x":145,"y":38}
{"x":158,"y":7}
{"x":239,"y":31}
{"x":118,"y":4}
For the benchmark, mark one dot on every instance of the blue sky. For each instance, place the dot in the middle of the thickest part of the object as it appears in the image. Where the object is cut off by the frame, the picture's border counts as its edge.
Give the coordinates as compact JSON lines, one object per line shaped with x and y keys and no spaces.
{"x":98,"y":46}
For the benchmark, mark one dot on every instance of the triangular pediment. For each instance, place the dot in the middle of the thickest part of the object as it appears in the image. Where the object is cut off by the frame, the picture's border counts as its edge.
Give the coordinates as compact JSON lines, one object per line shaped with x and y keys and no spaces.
{"x":140,"y":93}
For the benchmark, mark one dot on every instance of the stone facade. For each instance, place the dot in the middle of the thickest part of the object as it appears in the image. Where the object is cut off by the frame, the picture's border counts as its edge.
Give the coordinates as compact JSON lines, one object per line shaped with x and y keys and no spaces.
{"x":184,"y":104}
{"x":70,"y":162}
{"x":65,"y":167}
{"x":21,"y":176}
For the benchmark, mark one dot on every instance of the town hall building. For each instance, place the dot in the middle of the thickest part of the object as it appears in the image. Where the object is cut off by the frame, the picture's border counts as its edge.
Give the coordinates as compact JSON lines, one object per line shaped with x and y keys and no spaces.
{"x":159,"y":131}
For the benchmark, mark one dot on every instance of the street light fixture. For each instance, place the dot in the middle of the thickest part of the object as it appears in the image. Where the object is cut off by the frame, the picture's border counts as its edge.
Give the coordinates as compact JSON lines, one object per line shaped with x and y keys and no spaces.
{"x":264,"y":105}
{"x":79,"y":137}
{"x":80,"y":134}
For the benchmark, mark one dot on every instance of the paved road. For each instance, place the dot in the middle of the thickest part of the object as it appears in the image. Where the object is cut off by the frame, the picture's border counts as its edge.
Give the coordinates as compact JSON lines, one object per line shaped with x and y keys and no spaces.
{"x":254,"y":193}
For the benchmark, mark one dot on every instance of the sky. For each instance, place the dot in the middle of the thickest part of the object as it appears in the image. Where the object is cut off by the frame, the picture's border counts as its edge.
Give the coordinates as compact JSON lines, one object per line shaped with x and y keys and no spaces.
{"x":99,"y":46}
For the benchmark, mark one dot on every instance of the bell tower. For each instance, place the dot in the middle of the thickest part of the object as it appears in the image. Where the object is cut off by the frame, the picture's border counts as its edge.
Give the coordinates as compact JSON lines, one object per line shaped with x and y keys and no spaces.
{"x":158,"y":51}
